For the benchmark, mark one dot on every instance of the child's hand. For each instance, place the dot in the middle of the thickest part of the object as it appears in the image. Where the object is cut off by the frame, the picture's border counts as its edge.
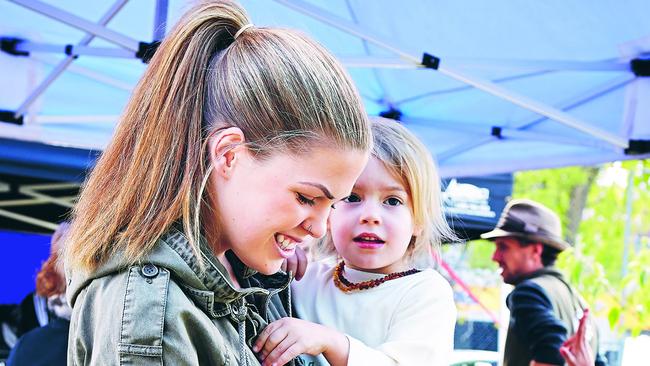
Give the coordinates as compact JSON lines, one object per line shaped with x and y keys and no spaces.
{"x":287,"y":338}
{"x":296,"y":264}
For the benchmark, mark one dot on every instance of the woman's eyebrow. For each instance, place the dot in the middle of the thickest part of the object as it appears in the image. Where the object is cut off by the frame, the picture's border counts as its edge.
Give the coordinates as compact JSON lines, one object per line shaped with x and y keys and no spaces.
{"x":326,"y":191}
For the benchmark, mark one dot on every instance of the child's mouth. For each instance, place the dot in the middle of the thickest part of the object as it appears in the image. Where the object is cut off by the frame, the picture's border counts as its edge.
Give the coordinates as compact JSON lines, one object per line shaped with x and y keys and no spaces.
{"x":368,"y":241}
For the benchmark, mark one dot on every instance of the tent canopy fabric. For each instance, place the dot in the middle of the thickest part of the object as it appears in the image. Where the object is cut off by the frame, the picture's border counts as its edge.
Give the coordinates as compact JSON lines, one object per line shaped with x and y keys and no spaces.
{"x":490,"y":87}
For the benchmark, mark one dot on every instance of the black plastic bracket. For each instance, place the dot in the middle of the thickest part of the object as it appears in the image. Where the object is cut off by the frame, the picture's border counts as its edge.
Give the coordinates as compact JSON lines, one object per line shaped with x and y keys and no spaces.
{"x":496,"y":132}
{"x":640,"y":66}
{"x":147,"y":50}
{"x":392,"y":113}
{"x":69,"y":49}
{"x":430,"y":61}
{"x":8,"y":116}
{"x":638,"y":147}
{"x":9,"y":45}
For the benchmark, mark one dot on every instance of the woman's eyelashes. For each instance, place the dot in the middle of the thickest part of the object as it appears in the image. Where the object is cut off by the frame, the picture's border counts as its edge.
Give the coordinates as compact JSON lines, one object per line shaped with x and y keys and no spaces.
{"x":304,"y":200}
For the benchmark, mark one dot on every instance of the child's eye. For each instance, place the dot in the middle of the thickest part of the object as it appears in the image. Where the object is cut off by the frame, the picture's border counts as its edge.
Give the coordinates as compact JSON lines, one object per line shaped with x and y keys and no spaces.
{"x":393,"y":201}
{"x":304,"y":200}
{"x":352,"y":198}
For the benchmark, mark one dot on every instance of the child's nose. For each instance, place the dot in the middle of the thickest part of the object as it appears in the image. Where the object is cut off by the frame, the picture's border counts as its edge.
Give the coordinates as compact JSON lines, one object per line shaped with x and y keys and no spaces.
{"x":370,"y":214}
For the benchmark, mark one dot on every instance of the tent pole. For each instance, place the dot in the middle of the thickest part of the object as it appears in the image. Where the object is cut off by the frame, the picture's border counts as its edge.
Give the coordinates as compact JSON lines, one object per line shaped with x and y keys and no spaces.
{"x":74,"y":50}
{"x":90,"y":74}
{"x":485,"y":85}
{"x":491,"y":64}
{"x":80,"y":23}
{"x":160,"y":20}
{"x":63,"y":65}
{"x":566,"y":105}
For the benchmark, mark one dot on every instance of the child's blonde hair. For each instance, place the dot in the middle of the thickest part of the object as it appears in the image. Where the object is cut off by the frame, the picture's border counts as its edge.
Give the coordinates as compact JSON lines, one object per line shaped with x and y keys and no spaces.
{"x":404,"y":155}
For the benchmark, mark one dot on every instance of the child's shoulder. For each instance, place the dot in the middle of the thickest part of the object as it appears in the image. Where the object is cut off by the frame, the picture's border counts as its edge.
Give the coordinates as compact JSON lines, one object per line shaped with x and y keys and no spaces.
{"x":430,"y":279}
{"x":317,"y":271}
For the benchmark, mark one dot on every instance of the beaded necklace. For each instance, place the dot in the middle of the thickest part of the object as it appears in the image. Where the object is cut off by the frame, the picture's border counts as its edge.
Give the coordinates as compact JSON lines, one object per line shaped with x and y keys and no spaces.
{"x":346,"y":286}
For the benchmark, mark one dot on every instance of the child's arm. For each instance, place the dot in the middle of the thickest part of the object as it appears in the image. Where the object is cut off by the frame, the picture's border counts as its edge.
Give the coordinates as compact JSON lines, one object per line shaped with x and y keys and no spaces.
{"x":296,"y":264}
{"x":287,"y":338}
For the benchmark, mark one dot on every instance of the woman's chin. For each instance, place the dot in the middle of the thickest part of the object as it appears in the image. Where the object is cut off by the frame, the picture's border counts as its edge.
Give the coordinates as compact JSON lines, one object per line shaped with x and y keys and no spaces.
{"x":269,"y":268}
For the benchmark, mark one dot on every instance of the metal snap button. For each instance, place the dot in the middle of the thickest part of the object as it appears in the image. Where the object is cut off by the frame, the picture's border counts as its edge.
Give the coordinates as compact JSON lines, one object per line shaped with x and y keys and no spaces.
{"x":149,"y":270}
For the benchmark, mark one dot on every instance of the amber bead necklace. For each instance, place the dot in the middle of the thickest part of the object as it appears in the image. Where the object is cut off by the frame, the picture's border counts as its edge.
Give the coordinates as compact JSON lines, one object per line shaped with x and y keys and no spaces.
{"x":346,"y":286}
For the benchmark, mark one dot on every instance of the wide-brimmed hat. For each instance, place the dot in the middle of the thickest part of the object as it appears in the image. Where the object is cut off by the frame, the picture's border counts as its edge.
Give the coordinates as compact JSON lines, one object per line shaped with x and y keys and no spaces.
{"x":530,"y":220}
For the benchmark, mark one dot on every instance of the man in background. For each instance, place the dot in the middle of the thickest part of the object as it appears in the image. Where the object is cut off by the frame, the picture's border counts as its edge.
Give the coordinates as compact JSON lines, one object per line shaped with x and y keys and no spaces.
{"x":544,"y":309}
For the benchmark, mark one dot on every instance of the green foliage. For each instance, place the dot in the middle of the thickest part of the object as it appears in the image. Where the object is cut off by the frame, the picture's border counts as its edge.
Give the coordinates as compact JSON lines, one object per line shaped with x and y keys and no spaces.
{"x":616,"y":285}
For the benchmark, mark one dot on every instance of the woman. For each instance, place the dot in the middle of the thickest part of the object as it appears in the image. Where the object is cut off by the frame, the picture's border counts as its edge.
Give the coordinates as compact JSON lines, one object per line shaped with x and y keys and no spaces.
{"x":235,"y":145}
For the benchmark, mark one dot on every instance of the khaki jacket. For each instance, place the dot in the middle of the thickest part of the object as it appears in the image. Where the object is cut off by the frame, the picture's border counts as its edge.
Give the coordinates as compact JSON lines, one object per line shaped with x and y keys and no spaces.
{"x":166,"y":310}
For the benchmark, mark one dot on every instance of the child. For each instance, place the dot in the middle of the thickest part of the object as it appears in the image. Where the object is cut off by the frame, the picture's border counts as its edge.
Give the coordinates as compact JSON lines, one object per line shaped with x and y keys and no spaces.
{"x":380,"y":305}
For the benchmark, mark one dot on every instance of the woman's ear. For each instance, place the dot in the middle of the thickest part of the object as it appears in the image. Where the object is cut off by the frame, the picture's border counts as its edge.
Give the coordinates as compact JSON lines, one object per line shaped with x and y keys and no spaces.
{"x":225,"y":149}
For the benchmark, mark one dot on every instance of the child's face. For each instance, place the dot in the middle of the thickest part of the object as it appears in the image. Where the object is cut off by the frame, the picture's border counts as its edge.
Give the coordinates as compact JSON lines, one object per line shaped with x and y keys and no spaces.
{"x":269,"y":207}
{"x":372,"y":229}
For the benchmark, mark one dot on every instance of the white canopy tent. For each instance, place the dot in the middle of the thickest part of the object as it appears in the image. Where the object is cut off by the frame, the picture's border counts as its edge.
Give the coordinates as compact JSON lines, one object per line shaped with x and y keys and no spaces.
{"x":490,"y":87}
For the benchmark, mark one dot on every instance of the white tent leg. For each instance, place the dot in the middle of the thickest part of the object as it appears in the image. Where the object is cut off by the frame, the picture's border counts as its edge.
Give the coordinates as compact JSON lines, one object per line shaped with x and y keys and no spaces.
{"x":478,"y":83}
{"x":80,"y":23}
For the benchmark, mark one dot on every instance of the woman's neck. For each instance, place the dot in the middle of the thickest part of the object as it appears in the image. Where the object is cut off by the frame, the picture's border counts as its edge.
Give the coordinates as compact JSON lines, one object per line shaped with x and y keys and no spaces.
{"x":231,"y":273}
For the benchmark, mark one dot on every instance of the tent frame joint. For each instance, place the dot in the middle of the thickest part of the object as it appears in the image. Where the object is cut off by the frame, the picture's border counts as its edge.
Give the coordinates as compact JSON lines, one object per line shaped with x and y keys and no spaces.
{"x":147,"y":50}
{"x":10,"y":117}
{"x":430,"y":61}
{"x":638,"y":147}
{"x":640,"y":66}
{"x":10,"y":45}
{"x":392,"y":113}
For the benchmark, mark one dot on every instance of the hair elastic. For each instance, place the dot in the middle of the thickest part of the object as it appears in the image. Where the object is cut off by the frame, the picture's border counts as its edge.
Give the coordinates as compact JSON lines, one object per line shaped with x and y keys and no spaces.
{"x":242,"y":29}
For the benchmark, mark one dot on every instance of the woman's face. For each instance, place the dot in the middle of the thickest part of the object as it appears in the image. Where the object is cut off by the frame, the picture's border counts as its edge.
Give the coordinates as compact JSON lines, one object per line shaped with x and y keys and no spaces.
{"x":268,"y":207}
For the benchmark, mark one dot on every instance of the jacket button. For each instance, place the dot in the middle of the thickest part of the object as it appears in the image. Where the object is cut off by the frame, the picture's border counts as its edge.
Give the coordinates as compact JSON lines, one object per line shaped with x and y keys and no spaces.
{"x":149,"y":270}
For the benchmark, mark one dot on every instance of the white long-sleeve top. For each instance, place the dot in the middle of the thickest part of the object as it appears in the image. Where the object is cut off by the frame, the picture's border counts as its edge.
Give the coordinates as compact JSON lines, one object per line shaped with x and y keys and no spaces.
{"x":406,"y":321}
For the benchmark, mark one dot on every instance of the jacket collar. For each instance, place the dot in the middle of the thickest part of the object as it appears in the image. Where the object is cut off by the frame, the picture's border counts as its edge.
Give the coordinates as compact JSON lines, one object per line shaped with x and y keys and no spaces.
{"x":545,"y":271}
{"x":212,"y":275}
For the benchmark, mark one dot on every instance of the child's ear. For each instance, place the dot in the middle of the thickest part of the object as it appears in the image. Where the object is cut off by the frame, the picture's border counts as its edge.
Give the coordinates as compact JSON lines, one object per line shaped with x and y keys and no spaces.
{"x":225,"y":149}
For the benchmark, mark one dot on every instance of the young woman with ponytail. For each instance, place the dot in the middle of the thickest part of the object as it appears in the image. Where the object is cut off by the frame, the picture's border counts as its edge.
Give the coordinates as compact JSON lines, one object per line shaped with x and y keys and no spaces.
{"x":233,"y":148}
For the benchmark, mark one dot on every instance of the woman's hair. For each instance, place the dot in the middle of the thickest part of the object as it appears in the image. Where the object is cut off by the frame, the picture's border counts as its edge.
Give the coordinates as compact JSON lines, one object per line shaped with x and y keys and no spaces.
{"x":283,"y":90}
{"x":50,"y":279}
{"x":408,"y":160}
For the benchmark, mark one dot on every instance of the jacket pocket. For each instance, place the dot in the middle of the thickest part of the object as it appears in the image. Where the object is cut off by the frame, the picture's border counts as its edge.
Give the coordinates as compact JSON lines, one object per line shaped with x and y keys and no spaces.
{"x":143,"y":316}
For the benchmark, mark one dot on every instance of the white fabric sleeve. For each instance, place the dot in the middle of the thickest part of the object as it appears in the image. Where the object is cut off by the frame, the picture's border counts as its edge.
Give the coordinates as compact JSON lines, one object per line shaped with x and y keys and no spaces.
{"x":421,"y":332}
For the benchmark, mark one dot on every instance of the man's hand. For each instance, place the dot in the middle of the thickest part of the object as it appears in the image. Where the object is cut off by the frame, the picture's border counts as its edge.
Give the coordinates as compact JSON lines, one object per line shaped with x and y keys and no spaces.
{"x":576,"y":350}
{"x":296,"y":264}
{"x":287,"y":338}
